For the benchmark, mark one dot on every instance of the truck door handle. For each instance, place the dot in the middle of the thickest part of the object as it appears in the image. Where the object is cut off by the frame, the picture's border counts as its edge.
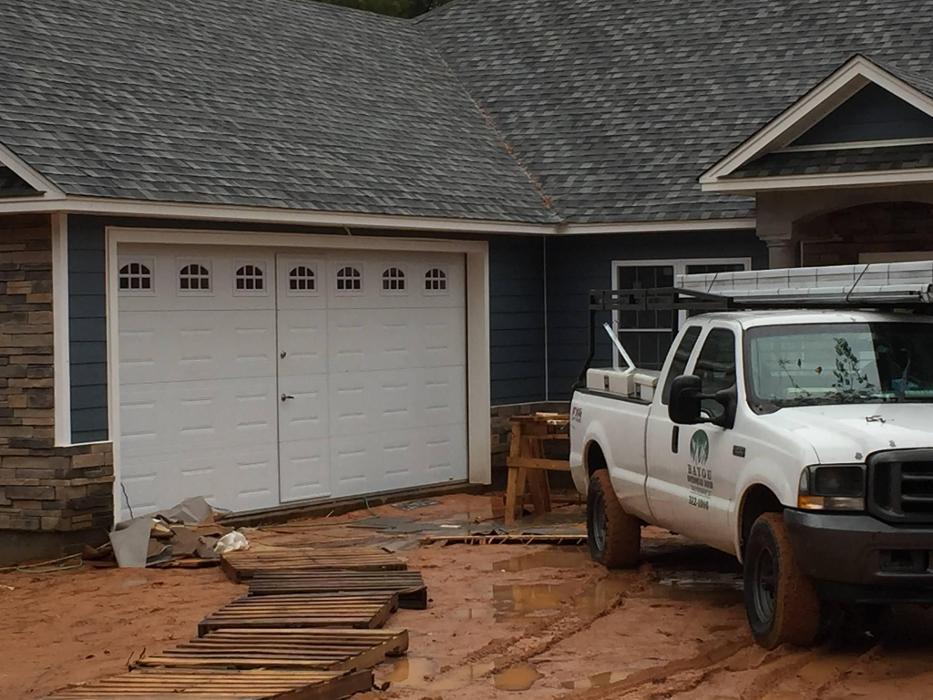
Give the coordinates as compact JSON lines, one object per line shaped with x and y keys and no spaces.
{"x":675,"y":439}
{"x":287,"y":397}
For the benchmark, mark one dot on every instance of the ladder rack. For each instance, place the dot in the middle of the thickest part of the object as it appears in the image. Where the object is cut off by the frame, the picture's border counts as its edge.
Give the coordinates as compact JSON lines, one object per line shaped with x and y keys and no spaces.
{"x":881,"y":286}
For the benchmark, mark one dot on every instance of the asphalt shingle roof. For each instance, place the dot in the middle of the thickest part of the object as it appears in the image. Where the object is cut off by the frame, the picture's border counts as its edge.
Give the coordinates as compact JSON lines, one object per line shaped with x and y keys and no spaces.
{"x":585,"y":111}
{"x":830,"y":161}
{"x":618,"y":107}
{"x":276,"y":103}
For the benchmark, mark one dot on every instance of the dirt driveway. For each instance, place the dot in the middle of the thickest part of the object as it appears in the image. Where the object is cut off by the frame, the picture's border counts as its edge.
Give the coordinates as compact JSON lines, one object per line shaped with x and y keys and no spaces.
{"x":505,"y":621}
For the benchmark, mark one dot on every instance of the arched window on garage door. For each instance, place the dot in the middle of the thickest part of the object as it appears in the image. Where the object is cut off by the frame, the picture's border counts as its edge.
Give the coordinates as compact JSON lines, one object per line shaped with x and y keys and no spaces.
{"x":249,"y":278}
{"x":393,"y":280}
{"x":349,"y":279}
{"x":194,"y":278}
{"x":135,"y":277}
{"x":301,"y":279}
{"x":435,"y":281}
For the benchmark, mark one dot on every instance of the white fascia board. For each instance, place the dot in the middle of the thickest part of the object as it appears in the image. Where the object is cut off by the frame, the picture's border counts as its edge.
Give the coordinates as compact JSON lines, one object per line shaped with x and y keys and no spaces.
{"x":263,"y":215}
{"x":268,"y":215}
{"x":802,"y":182}
{"x":660,"y":226}
{"x":806,"y":112}
{"x":29,"y":175}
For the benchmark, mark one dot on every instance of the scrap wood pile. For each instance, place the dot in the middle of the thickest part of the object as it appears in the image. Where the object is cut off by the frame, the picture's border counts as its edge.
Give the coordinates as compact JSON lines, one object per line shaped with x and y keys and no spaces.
{"x":186,"y":536}
{"x":309,"y":627}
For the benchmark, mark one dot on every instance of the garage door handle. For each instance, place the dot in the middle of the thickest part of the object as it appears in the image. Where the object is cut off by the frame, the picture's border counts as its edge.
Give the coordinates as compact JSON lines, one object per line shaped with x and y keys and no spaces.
{"x":287,"y":397}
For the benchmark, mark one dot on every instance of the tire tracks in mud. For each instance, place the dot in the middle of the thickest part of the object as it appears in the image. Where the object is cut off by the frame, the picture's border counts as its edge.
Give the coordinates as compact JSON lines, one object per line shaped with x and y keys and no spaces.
{"x":564,"y":623}
{"x":639,"y":681}
{"x":683,"y":676}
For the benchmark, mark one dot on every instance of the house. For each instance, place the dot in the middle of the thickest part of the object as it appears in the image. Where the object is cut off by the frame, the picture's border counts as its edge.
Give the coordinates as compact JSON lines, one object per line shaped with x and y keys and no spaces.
{"x":274,"y":251}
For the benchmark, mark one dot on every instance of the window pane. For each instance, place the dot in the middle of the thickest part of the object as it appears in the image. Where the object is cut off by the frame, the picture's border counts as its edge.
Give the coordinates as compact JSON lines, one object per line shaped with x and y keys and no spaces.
{"x":681,"y":357}
{"x":716,"y":365}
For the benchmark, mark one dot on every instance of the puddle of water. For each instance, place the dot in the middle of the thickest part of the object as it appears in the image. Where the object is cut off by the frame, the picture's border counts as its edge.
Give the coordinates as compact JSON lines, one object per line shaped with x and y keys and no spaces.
{"x":472,"y":613}
{"x":422,"y":674}
{"x":517,"y":678}
{"x":511,"y":602}
{"x":410,"y":670}
{"x":555,"y":558}
{"x":533,"y":600}
{"x":717,"y":589}
{"x":597,"y":680}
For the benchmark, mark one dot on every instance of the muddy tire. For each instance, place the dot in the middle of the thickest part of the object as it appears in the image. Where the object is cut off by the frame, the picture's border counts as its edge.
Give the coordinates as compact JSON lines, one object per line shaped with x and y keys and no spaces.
{"x":613,"y":536}
{"x":780,"y":600}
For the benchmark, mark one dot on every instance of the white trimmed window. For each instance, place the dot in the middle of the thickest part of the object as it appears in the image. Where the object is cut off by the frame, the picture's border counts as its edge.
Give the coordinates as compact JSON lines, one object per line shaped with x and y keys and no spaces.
{"x":349,"y":279}
{"x":135,"y":277}
{"x":435,"y":281}
{"x":249,"y":278}
{"x":302,"y":279}
{"x":393,"y":280}
{"x":194,"y":277}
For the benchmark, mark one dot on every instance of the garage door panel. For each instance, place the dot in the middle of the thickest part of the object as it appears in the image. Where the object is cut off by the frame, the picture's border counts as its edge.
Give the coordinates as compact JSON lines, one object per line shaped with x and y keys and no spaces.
{"x":306,"y":469}
{"x":442,"y":396}
{"x":445,"y":453}
{"x":304,"y":415}
{"x":368,"y":339}
{"x":168,"y":346}
{"x":302,"y":338}
{"x":165,"y":419}
{"x":374,"y":378}
{"x":398,"y":459}
{"x":442,"y":338}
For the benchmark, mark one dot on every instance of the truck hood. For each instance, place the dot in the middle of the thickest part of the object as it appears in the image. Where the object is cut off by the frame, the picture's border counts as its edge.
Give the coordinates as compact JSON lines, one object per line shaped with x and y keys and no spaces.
{"x":851,"y":432}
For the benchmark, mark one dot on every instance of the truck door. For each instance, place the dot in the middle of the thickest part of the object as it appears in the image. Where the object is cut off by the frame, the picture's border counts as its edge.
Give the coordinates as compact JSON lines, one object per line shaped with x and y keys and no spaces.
{"x":708,"y":457}
{"x":662,"y":437}
{"x":700,"y":454}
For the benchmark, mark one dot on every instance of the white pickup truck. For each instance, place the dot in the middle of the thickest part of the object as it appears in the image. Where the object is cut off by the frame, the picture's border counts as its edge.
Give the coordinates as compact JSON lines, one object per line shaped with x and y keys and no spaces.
{"x":800,"y":441}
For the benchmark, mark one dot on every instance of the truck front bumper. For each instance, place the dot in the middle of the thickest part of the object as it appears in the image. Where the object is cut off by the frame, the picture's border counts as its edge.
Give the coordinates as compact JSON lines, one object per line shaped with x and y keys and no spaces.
{"x":858,"y":558}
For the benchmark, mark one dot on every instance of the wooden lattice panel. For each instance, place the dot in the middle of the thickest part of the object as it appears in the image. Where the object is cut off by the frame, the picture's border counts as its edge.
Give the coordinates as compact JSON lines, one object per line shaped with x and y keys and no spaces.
{"x":245,"y":565}
{"x":409,"y":585}
{"x":320,"y":649}
{"x":192,"y":684}
{"x":366,"y":610}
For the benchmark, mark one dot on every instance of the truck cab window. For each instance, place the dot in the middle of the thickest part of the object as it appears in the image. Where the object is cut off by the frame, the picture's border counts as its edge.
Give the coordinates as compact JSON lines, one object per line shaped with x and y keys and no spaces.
{"x":679,"y":363}
{"x":716,"y":366}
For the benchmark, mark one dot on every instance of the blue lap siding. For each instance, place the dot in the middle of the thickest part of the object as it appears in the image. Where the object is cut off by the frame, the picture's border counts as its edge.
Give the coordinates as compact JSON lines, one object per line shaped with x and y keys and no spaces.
{"x":577,"y":264}
{"x":516,"y":319}
{"x":87,"y":327}
{"x":517,"y":324}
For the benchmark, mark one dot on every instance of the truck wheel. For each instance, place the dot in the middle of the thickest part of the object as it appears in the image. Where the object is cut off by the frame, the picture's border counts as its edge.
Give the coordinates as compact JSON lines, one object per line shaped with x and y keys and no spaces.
{"x":614,"y":537}
{"x":780,"y":600}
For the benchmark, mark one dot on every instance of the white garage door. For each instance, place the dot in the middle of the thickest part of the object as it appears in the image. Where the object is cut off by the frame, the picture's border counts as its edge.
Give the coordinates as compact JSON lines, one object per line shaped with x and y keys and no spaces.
{"x":256,"y":377}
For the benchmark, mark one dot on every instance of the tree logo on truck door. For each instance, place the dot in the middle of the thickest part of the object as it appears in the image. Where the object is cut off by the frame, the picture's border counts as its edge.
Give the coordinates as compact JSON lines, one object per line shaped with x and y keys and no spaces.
{"x":699,"y":476}
{"x":699,"y":447}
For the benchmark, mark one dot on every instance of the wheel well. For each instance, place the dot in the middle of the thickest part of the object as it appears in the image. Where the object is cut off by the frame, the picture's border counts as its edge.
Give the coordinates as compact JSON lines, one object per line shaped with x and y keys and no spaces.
{"x":594,"y":459}
{"x":757,"y":501}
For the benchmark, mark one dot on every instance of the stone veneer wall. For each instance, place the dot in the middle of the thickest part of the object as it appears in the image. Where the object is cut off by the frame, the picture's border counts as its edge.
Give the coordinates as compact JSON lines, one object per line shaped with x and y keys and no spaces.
{"x":52,"y":499}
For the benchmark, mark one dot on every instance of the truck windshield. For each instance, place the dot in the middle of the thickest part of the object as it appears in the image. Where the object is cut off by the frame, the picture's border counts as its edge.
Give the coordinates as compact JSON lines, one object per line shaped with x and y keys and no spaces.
{"x":837,"y":363}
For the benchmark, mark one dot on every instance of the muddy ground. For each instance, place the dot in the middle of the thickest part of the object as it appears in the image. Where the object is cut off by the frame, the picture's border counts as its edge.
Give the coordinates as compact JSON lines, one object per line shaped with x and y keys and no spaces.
{"x":505,"y":621}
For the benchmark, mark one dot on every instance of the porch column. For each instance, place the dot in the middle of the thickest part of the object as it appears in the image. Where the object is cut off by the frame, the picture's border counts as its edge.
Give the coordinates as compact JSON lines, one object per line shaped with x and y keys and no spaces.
{"x":782,"y":252}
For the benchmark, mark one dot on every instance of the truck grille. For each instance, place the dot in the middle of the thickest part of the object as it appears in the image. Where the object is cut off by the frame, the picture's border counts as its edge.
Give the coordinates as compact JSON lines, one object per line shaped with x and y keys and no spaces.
{"x":900,"y":486}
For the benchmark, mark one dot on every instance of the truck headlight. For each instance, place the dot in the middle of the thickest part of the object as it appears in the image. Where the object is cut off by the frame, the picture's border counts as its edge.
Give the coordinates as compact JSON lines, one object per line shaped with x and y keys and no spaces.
{"x":832,"y":487}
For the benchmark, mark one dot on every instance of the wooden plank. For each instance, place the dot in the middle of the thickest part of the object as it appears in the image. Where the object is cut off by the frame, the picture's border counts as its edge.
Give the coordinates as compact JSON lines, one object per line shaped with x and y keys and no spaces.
{"x":167,"y":683}
{"x":333,"y":650}
{"x":409,"y":585}
{"x":363,"y":611}
{"x":244,"y":565}
{"x":557,"y":539}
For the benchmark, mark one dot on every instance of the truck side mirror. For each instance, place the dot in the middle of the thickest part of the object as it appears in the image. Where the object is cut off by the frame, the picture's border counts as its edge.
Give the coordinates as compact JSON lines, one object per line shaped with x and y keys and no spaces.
{"x":684,"y":406}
